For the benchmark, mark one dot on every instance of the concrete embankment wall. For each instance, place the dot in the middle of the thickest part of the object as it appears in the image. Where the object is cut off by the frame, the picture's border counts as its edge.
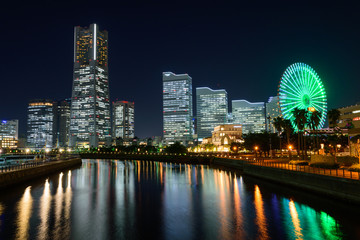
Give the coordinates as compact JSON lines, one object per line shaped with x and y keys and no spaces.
{"x":19,"y":176}
{"x":335,"y":187}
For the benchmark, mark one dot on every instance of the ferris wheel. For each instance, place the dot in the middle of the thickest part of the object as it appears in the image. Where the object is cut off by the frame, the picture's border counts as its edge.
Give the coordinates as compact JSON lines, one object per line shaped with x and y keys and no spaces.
{"x":301,"y":87}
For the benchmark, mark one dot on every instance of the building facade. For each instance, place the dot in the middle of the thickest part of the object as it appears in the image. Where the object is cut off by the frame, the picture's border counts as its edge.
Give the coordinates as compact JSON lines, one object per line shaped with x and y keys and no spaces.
{"x":250,"y":115}
{"x":211,"y":110}
{"x":123,"y":117}
{"x":350,"y":118}
{"x":9,"y":133}
{"x":177,"y":108}
{"x":272,"y":109}
{"x":227,"y":134}
{"x":90,"y":124}
{"x":41,"y":124}
{"x":63,"y":122}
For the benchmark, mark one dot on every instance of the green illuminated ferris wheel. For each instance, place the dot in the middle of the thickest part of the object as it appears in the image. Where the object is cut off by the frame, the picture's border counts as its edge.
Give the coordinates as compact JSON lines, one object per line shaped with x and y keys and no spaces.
{"x":301,"y":87}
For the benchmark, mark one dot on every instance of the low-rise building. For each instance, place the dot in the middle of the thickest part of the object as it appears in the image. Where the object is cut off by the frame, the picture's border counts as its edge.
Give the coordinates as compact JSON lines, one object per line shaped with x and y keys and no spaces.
{"x":9,"y":133}
{"x":350,"y":118}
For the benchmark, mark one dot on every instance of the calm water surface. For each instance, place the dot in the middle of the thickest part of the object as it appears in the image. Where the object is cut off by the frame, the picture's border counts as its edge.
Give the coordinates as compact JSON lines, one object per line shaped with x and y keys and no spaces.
{"x":150,"y":200}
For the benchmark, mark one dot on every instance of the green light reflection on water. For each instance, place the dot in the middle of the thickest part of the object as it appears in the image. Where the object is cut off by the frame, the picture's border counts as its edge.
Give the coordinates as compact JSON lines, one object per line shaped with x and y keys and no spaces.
{"x":303,"y":222}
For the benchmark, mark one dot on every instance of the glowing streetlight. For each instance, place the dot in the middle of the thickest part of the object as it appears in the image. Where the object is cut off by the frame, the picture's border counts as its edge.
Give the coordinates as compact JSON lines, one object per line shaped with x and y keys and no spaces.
{"x":61,"y":150}
{"x":256,"y":148}
{"x":47,"y":150}
{"x":290,"y":147}
{"x":69,"y":150}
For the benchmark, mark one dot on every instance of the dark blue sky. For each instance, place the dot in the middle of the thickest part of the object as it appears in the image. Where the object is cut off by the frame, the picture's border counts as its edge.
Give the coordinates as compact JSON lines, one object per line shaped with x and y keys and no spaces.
{"x":241,"y":48}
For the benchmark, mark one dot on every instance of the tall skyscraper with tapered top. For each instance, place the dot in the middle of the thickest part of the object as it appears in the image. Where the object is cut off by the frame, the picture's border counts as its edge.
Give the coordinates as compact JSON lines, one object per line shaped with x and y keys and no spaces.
{"x":90,"y":124}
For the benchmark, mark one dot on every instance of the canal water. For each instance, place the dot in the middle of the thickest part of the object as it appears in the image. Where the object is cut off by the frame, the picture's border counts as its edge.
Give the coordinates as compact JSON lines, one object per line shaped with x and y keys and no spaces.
{"x":110,"y":199}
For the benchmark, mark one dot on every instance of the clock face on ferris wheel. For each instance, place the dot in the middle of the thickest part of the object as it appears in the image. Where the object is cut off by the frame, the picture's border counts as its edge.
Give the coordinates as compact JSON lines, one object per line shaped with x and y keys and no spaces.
{"x":301,"y":87}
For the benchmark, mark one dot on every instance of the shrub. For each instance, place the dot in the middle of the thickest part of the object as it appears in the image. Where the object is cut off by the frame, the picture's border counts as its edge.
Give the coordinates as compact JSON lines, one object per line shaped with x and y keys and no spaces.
{"x":325,"y":165}
{"x":347,"y":160}
{"x":354,"y":168}
{"x":299,"y":162}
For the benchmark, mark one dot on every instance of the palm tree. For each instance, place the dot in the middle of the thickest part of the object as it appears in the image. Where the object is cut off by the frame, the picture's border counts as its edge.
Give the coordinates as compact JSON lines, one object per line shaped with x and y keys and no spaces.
{"x":300,"y":121}
{"x":288,"y":128}
{"x":333,"y":116}
{"x":278,"y":125}
{"x":314,"y":122}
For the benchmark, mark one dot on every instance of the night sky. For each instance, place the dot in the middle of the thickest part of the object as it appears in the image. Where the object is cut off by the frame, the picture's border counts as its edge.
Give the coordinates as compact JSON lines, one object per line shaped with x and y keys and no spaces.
{"x":241,"y":48}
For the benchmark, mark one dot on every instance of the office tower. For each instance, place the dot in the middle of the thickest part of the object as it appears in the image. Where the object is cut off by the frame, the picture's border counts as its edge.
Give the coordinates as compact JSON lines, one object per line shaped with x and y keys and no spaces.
{"x":250,"y":115}
{"x":40,"y":124}
{"x":90,"y":105}
{"x":123,"y":117}
{"x":211,"y":109}
{"x":9,"y":133}
{"x":63,"y":122}
{"x":272,"y":108}
{"x":177,"y":108}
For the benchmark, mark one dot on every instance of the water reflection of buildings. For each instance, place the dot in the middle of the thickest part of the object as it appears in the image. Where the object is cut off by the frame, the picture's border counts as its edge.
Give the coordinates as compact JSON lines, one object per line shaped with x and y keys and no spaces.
{"x":295,"y":220}
{"x":45,"y":204}
{"x":1,"y":213}
{"x":260,"y":214}
{"x":179,"y":200}
{"x":24,"y":210}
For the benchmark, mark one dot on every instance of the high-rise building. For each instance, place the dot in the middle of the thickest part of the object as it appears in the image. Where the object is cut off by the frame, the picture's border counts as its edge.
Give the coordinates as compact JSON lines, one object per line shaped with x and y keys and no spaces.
{"x":177,"y":108}
{"x":63,"y":122}
{"x":211,"y":109}
{"x":250,"y":115}
{"x":9,"y":133}
{"x":123,"y":117}
{"x":272,"y":108}
{"x":41,"y":131}
{"x":90,"y":124}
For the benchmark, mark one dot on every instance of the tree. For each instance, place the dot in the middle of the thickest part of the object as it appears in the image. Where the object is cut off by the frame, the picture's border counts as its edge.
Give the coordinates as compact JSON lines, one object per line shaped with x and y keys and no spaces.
{"x":177,"y":147}
{"x":278,"y":125}
{"x":334,"y":116}
{"x":300,"y":121}
{"x":314,"y":122}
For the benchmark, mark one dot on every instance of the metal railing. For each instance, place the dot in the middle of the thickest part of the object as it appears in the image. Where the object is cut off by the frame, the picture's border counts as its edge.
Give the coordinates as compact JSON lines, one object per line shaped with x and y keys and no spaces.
{"x":16,"y":167}
{"x":341,"y":172}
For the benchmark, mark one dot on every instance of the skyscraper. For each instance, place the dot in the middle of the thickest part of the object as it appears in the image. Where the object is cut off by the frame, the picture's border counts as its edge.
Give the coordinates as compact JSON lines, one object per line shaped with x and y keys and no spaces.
{"x":211,"y":109}
{"x":40,"y":124}
{"x":63,"y":122}
{"x":123,"y":117}
{"x":272,"y":111}
{"x":250,"y":115}
{"x":177,"y":108}
{"x":90,"y":104}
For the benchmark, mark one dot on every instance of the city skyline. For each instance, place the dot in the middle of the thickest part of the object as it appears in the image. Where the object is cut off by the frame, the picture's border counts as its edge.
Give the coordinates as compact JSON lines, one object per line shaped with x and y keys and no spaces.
{"x":240,"y":60}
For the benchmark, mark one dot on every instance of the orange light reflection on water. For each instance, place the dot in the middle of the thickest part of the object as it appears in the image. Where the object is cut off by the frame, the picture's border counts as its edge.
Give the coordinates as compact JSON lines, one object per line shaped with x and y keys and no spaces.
{"x":24,"y":209}
{"x":260,"y":214}
{"x":45,"y":204}
{"x":58,"y":208}
{"x":238,"y":212}
{"x":295,"y":220}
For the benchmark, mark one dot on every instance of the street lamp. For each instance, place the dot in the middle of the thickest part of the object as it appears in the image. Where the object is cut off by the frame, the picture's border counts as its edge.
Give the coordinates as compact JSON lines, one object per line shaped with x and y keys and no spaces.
{"x":290,"y":147}
{"x":256,"y":148}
